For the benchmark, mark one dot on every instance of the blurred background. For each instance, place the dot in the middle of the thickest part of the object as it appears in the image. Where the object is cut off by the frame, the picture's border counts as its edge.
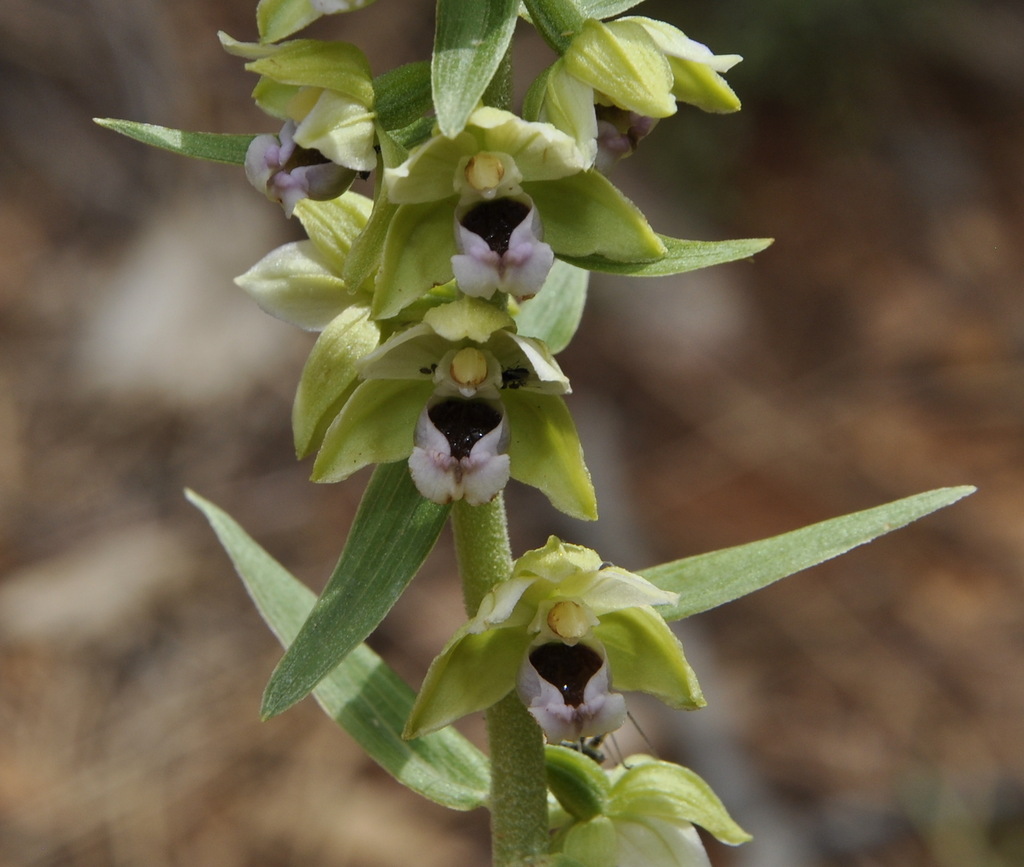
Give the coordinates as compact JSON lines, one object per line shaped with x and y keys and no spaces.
{"x":868,"y":712}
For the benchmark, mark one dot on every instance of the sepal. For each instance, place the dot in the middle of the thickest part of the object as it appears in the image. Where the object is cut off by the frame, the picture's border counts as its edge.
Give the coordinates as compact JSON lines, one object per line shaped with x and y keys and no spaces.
{"x":546,"y":452}
{"x":647,"y":657}
{"x":472,"y":673}
{"x":329,"y":375}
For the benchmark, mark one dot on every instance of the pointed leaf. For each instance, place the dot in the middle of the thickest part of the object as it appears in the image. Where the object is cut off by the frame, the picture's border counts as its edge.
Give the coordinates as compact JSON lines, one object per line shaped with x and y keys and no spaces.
{"x":394,"y":530}
{"x":212,"y":146}
{"x":712,"y":579}
{"x":469,"y":42}
{"x":554,"y":313}
{"x":362,"y":694}
{"x":681,"y":256}
{"x":402,"y":95}
{"x":555,"y":20}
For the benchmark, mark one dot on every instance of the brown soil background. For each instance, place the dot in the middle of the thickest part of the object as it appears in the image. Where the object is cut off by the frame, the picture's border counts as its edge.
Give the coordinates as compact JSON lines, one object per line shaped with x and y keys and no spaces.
{"x":870,"y":712}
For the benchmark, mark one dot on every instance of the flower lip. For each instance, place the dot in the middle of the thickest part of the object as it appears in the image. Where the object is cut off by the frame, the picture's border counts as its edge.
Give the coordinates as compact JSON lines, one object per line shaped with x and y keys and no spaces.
{"x":463,"y":423}
{"x":495,"y":220}
{"x":568,"y":668}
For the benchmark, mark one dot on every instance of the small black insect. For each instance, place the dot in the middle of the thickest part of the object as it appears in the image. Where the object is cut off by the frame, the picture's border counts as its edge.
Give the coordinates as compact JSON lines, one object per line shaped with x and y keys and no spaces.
{"x":428,"y":371}
{"x":514,"y":377}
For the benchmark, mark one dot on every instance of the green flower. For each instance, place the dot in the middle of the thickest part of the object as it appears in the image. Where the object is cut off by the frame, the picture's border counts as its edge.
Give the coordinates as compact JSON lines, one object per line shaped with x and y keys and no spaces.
{"x":469,"y":403}
{"x":641,"y":814}
{"x":560,"y":630}
{"x":301,"y":283}
{"x":492,"y":206}
{"x":324,"y":87}
{"x":634,"y":70}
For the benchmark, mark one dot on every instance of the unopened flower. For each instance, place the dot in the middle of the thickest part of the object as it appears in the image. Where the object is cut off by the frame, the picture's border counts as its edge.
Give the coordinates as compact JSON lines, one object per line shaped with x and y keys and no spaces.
{"x":641,"y":814}
{"x":469,"y":403}
{"x":287,"y":173}
{"x":634,"y":64}
{"x":562,"y":631}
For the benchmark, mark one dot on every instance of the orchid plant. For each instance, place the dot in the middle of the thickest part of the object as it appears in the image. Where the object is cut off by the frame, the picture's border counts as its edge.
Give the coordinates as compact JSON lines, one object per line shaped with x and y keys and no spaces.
{"x":440,"y":305}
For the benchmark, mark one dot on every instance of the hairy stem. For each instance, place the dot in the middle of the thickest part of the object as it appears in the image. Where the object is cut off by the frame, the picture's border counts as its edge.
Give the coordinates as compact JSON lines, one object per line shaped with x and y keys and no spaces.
{"x":518,"y":789}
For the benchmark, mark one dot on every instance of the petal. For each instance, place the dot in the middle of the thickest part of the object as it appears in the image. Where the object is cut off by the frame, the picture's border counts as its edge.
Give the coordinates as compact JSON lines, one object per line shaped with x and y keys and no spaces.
{"x":467,"y":319}
{"x":497,"y":606}
{"x":341,"y":129}
{"x":429,"y":172}
{"x":541,"y":152}
{"x":612,"y":589}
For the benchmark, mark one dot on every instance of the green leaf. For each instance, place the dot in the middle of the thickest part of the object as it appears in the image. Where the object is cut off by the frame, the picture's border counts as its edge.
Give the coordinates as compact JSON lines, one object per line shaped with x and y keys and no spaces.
{"x":556,"y":20}
{"x":469,"y":42}
{"x":712,"y":579}
{"x":212,"y":146}
{"x":393,"y":532}
{"x":554,"y":313}
{"x":681,"y":256}
{"x":402,"y":95}
{"x":362,"y":694}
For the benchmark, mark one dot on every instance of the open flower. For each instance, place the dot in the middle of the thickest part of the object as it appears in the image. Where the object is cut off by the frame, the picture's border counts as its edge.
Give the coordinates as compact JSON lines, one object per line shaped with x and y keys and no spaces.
{"x":636,"y":65}
{"x":562,"y":630}
{"x":492,"y":207}
{"x":302,"y":283}
{"x":641,"y":814}
{"x":287,"y":173}
{"x":469,"y":403}
{"x":325,"y":88}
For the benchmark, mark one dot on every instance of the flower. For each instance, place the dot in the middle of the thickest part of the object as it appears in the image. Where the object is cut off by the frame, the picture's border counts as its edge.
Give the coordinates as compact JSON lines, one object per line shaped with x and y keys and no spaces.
{"x":325,"y":88}
{"x":640,"y":814}
{"x":303,"y":283}
{"x":287,"y":173}
{"x":492,"y":207}
{"x":469,"y":403}
{"x":636,"y":65}
{"x":560,"y":630}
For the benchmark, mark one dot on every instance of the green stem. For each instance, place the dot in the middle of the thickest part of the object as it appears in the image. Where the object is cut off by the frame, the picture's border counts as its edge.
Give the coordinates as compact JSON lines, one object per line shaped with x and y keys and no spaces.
{"x":518,"y":789}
